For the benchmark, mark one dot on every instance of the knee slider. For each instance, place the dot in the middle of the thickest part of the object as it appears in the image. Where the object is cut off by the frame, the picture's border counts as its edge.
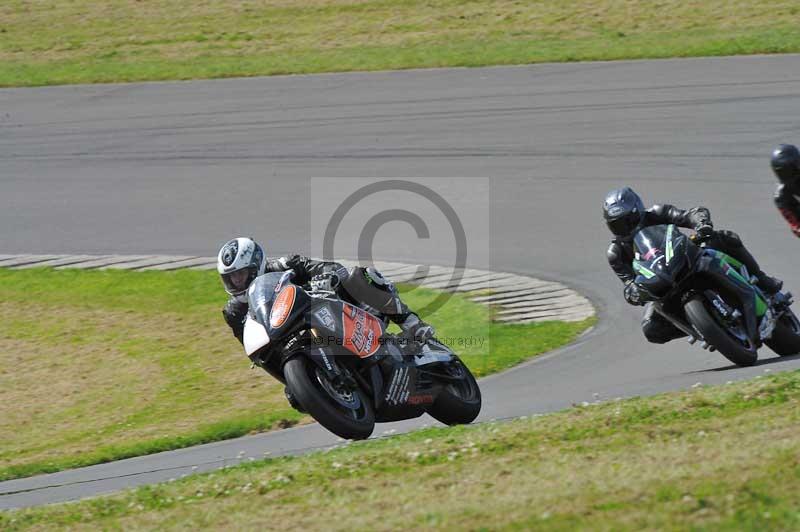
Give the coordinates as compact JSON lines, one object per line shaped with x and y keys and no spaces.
{"x":654,"y":333}
{"x":656,"y":330}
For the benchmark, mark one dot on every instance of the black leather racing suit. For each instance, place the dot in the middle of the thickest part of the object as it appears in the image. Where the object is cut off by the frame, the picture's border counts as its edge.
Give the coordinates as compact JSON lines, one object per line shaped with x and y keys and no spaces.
{"x":620,"y":256}
{"x":788,"y":204}
{"x":364,"y":288}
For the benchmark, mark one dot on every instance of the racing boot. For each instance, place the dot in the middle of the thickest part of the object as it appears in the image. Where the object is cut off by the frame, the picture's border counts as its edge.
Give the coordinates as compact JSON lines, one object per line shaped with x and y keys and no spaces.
{"x":416,"y":329}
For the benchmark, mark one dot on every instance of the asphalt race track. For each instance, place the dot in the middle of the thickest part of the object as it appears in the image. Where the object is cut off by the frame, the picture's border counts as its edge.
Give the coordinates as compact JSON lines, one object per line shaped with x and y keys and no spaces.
{"x":176,"y":168}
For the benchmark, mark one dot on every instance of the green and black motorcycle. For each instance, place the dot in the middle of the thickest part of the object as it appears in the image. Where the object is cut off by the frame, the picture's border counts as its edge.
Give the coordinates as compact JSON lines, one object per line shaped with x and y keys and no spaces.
{"x":711,"y":297}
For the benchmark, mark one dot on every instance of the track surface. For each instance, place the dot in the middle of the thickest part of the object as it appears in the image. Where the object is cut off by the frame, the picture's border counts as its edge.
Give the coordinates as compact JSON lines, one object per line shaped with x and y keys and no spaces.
{"x":178,"y":167}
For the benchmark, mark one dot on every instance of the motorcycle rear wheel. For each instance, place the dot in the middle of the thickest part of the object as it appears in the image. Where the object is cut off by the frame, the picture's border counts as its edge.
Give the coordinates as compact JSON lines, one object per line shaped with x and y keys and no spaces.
{"x":346,"y":413}
{"x":717,"y":335}
{"x":459,"y":402}
{"x":785,"y":339}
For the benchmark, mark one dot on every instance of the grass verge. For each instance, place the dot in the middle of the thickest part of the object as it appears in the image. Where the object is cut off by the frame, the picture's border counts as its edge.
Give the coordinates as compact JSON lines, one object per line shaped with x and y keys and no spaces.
{"x":102,"y":365}
{"x":713,"y":458}
{"x":89,"y":41}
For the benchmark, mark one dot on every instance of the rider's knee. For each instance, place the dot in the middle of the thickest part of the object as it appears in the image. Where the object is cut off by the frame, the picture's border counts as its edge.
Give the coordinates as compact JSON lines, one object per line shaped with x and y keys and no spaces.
{"x":656,"y":337}
{"x":658,"y":331}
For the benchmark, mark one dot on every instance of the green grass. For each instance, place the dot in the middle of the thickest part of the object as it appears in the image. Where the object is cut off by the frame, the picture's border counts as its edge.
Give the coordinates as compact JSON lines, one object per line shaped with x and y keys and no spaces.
{"x":88,"y":41}
{"x":102,"y":365}
{"x":713,"y":458}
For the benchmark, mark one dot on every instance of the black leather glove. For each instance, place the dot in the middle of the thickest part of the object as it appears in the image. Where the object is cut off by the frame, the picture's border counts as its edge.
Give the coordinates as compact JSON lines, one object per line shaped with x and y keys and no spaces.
{"x":234,"y":314}
{"x":632,"y":294}
{"x":325,"y":282}
{"x":704,"y":231}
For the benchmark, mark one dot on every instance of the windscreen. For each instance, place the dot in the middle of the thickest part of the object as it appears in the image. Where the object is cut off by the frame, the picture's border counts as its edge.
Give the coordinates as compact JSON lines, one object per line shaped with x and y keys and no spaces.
{"x":650,"y":243}
{"x":262,"y":293}
{"x":660,"y":258}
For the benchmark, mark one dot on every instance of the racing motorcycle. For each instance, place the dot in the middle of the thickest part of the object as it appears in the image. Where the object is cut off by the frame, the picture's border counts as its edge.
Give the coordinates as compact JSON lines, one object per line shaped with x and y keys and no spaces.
{"x":341,"y":366}
{"x":711,"y":297}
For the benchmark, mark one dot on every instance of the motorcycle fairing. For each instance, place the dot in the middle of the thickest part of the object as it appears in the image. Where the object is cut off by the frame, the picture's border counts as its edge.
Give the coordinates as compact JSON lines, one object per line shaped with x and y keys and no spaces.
{"x":348,"y":326}
{"x":282,"y":306}
{"x":255,"y":336}
{"x":325,"y":316}
{"x":362,"y":331}
{"x":262,"y":296}
{"x":738,"y":272}
{"x":403,"y":390}
{"x":397,"y":397}
{"x":722,"y":267}
{"x":660,"y":255}
{"x":400,"y":385}
{"x":275,"y":291}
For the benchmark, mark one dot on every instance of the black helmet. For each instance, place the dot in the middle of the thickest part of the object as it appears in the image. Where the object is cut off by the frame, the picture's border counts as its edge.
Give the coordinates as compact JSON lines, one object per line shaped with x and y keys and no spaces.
{"x":785,"y":163}
{"x":623,"y":210}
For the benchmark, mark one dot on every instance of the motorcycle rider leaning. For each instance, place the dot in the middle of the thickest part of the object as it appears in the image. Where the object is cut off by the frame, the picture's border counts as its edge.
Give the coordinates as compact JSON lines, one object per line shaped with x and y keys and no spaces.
{"x":785,"y":162}
{"x":625,"y":214}
{"x":241,"y":260}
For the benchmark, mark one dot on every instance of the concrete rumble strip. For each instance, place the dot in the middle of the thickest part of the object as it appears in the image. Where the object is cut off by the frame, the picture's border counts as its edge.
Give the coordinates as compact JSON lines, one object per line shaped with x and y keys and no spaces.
{"x":515,"y":298}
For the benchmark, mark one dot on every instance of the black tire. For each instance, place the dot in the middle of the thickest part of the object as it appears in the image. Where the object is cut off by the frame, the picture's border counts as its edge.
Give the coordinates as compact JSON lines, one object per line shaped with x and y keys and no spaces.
{"x":716,"y":335}
{"x":785,"y":340}
{"x":304,"y":379}
{"x":459,"y":402}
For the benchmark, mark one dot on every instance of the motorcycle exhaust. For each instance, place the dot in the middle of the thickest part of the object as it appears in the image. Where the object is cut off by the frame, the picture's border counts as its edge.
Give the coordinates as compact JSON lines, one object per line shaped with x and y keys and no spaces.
{"x":691,"y":340}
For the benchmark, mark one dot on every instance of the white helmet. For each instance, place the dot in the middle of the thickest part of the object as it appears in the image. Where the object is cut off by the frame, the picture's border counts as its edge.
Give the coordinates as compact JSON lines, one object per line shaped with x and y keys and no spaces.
{"x":239,"y":262}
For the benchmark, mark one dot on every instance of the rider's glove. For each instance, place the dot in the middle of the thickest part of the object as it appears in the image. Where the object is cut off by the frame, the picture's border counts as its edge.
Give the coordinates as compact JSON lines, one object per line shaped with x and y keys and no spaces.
{"x":632,"y":294}
{"x":326,"y":282}
{"x":704,"y":231}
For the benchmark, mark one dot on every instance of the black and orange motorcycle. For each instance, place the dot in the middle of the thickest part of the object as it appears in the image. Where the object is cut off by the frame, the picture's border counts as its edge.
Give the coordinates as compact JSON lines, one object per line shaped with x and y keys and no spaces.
{"x":341,"y":366}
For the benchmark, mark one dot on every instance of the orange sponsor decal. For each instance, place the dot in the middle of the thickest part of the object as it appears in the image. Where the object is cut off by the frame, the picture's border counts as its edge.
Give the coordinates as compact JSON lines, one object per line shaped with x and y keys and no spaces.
{"x":282,"y":307}
{"x":362,"y":331}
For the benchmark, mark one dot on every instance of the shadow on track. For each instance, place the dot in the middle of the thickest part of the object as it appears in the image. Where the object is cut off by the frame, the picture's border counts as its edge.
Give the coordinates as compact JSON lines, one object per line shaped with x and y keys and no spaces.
{"x":764,"y":362}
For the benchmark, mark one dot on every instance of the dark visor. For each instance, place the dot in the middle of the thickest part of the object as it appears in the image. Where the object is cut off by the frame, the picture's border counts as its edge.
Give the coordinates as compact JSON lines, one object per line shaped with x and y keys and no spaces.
{"x":624,"y":225}
{"x":787,"y":173}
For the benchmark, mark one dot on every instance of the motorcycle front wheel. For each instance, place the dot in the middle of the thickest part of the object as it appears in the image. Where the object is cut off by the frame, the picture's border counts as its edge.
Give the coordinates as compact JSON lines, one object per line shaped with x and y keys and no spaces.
{"x":459,"y":402}
{"x":733,"y":344}
{"x":348,"y":413}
